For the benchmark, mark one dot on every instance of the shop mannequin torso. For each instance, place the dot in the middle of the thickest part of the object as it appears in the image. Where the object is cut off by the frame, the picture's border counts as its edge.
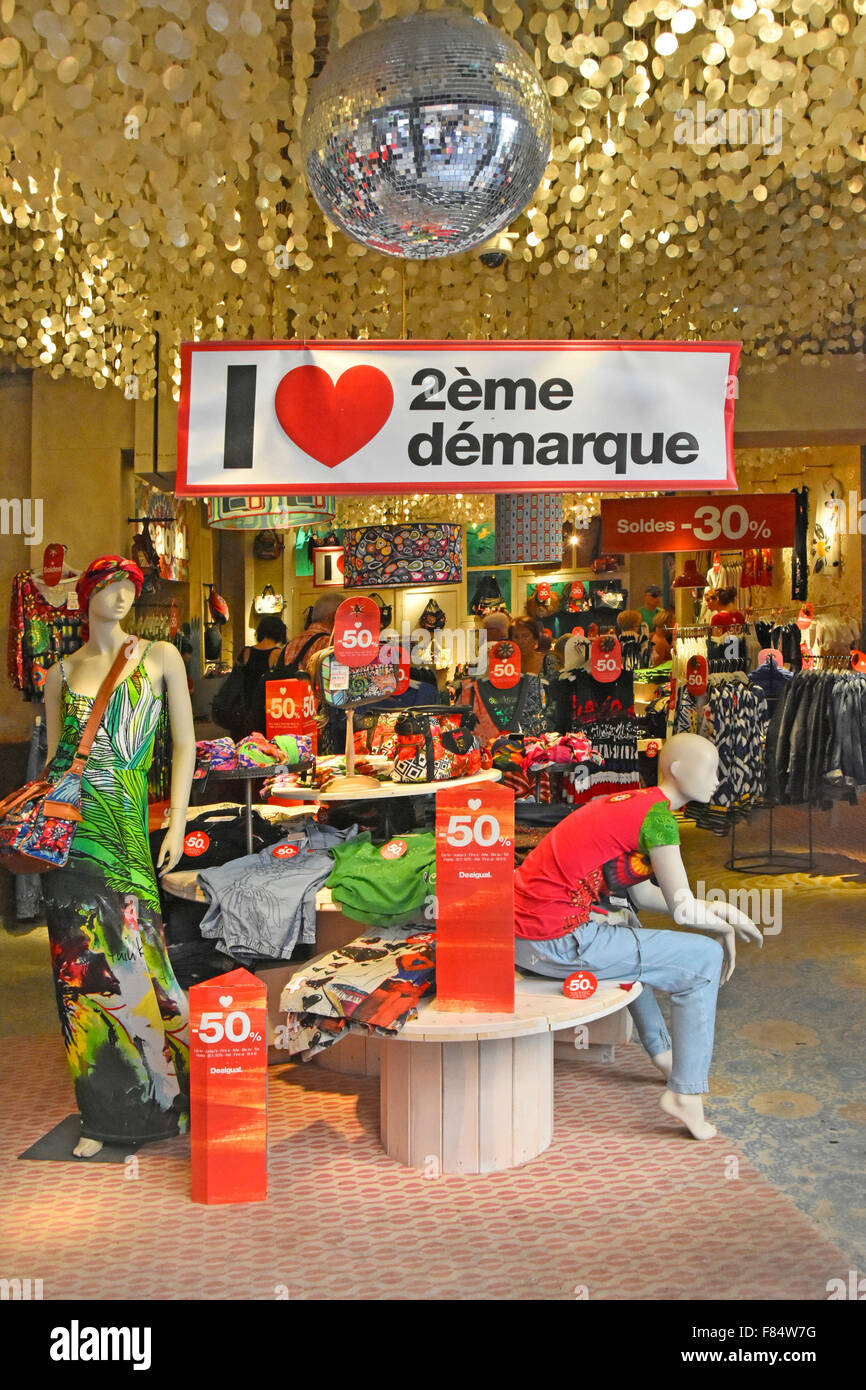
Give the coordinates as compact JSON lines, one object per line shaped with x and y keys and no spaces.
{"x":124,"y":1015}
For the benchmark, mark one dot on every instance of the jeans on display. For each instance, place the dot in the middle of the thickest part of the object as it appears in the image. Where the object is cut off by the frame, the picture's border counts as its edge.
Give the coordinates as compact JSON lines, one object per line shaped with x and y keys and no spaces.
{"x":28,"y":887}
{"x":683,"y":964}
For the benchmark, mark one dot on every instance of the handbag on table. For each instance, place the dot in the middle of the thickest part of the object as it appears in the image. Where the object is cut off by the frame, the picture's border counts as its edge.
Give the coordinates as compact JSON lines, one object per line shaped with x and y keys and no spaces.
{"x":432,"y":742}
{"x":37,"y":822}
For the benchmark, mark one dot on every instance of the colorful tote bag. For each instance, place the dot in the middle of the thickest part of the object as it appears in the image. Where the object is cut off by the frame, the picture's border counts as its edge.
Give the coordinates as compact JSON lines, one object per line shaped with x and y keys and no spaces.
{"x":385,"y":557}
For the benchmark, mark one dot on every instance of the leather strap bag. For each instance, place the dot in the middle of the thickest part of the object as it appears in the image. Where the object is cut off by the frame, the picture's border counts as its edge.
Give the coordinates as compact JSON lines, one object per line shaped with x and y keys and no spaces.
{"x":37,"y":822}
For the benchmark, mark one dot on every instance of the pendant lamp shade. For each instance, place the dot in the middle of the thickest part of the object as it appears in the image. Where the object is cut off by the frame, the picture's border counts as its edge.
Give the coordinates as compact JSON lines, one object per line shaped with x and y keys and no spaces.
{"x":528,"y":528}
{"x":267,"y":513}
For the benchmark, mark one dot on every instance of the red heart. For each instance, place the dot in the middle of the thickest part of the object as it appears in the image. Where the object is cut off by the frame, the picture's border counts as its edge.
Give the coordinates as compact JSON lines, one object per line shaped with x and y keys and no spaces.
{"x":331,"y":422}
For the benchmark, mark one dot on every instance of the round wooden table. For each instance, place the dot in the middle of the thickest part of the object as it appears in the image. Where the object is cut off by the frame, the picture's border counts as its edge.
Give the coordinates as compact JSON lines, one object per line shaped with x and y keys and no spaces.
{"x":473,"y":1093}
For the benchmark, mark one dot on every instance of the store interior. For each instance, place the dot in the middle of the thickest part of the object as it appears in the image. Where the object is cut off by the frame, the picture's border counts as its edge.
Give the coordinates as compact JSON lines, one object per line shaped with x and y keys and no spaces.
{"x":470,"y":1130}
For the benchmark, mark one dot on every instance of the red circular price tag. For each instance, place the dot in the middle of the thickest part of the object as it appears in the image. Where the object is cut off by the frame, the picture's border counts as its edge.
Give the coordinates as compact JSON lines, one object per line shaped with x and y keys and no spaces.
{"x":581,"y":985}
{"x":195,"y":843}
{"x":696,"y":675}
{"x":605,"y":658}
{"x":285,"y":851}
{"x":805,"y":616}
{"x":652,"y":748}
{"x":395,"y":849}
{"x":173,"y":621}
{"x":356,"y":632}
{"x":503,"y":667}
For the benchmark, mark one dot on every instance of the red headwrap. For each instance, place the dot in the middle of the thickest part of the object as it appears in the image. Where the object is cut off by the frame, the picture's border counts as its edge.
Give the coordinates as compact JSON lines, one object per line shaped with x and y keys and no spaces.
{"x":108,"y":569}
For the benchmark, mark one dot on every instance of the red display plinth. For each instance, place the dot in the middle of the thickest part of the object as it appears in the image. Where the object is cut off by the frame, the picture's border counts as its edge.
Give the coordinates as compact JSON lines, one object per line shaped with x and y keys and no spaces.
{"x":475,"y":898}
{"x":228,"y":1089}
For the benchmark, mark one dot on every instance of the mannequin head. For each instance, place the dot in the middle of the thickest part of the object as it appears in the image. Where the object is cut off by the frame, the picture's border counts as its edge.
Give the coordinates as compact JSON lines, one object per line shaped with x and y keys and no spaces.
{"x":496,"y":626}
{"x":107,"y":590}
{"x":688,"y":769}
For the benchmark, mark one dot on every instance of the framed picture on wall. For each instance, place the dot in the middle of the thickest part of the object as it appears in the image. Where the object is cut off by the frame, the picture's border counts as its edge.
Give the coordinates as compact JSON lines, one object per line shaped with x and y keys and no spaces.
{"x":328,"y":567}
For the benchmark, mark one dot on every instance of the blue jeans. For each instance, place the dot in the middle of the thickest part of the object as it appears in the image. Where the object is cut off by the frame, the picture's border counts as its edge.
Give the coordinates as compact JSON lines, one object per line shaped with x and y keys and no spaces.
{"x":682,"y":963}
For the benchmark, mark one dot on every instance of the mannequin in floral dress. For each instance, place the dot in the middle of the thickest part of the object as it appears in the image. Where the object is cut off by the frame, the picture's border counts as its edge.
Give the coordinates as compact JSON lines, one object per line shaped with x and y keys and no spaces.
{"x":123,"y":1015}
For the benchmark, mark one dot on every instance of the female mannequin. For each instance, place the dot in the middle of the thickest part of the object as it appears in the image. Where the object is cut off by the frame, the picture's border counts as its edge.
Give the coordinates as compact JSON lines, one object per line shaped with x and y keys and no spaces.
{"x":123,"y":1014}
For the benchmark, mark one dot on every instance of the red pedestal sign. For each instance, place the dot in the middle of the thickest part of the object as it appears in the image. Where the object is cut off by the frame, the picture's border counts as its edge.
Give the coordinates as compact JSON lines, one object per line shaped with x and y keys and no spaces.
{"x":503,"y":669}
{"x":228,"y":1089}
{"x":475,"y":898}
{"x":356,"y":632}
{"x":290,"y":708}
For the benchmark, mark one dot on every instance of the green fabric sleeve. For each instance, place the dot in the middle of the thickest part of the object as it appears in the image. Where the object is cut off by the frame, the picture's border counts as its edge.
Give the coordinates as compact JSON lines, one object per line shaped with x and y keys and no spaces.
{"x":659,"y":828}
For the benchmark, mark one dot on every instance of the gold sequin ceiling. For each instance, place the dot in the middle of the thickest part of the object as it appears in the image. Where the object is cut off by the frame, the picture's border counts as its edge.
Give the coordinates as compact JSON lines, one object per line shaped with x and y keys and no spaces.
{"x":151,"y":166}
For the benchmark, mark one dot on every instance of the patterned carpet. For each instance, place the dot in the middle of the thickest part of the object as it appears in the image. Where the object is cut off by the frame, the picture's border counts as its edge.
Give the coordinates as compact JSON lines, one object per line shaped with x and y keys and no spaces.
{"x":622,"y":1206}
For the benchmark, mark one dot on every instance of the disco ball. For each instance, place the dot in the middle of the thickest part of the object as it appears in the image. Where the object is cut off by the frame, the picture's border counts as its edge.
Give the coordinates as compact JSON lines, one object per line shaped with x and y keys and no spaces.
{"x":427,"y":135}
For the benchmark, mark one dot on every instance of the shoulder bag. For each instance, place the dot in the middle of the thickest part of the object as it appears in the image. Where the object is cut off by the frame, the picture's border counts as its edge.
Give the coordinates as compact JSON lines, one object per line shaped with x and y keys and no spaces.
{"x":38,"y":821}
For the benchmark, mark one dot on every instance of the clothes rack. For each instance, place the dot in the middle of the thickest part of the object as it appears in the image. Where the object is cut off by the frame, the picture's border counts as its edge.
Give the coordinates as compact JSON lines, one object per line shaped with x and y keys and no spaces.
{"x":772,"y":860}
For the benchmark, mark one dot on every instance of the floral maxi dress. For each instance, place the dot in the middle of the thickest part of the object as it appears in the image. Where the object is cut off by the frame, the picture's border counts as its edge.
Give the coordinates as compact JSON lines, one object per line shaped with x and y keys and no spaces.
{"x":123,"y":1015}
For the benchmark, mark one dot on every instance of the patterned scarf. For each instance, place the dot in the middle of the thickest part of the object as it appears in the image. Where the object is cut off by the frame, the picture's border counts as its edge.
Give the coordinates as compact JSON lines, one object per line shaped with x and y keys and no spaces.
{"x":108,"y":569}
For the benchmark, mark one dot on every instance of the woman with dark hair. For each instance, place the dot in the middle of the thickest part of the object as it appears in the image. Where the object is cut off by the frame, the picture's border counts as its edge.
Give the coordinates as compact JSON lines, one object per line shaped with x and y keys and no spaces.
{"x":536,"y":658}
{"x":235,"y":709}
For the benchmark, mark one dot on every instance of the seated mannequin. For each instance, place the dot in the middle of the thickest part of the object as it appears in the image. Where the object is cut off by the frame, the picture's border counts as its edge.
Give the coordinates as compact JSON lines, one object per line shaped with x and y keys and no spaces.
{"x":564,"y":919}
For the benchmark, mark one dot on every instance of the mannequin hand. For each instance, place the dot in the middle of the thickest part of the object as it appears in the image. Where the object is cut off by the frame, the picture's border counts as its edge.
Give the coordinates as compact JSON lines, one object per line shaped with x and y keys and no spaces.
{"x":729,"y":960}
{"x":743,"y":926}
{"x":171,"y":848}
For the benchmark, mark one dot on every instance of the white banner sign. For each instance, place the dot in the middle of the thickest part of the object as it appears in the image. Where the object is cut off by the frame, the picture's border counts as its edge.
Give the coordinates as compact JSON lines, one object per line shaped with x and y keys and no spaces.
{"x":263,"y":418}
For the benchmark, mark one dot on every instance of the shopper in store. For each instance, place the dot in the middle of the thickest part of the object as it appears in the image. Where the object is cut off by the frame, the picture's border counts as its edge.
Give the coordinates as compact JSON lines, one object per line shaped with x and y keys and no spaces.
{"x":725,"y":612}
{"x":650,"y":607}
{"x":234,"y":706}
{"x":123,"y":1014}
{"x":536,"y":658}
{"x":661,"y":638}
{"x":628,"y":843}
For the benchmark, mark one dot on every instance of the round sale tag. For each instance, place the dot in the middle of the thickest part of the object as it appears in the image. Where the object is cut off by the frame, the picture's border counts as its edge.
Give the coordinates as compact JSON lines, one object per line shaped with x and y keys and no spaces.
{"x":858,"y":660}
{"x":605,"y":658}
{"x":652,"y":748}
{"x":696,"y":675}
{"x":394,"y":849}
{"x":805,"y":616}
{"x":503,"y":666}
{"x":285,"y":851}
{"x":195,"y":843}
{"x":173,"y":621}
{"x":581,"y":985}
{"x":356,"y":632}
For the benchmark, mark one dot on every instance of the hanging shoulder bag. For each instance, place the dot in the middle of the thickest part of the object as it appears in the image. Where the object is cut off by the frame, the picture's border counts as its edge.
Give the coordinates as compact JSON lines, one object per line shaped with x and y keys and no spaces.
{"x":38,"y":821}
{"x":269,"y":602}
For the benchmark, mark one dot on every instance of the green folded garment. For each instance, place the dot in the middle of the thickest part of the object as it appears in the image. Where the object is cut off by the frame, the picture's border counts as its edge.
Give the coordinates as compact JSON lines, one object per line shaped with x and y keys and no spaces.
{"x":384,"y":885}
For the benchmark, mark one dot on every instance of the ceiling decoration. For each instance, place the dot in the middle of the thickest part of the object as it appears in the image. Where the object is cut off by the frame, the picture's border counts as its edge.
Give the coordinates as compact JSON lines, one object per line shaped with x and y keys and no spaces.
{"x":706,"y":180}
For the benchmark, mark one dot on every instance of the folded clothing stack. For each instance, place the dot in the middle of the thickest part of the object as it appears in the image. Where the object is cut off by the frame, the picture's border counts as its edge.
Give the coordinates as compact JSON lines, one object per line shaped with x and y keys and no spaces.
{"x":385,"y":885}
{"x":371,"y":985}
{"x":214,"y":755}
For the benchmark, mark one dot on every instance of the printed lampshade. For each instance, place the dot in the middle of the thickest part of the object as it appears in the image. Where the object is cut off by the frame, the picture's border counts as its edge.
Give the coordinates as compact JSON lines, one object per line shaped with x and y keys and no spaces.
{"x":528,"y":528}
{"x":267,"y":513}
{"x":385,"y":557}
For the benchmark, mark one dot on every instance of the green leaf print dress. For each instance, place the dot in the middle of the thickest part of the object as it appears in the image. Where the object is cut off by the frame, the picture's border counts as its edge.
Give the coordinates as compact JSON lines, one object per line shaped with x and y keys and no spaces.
{"x":123,"y":1015}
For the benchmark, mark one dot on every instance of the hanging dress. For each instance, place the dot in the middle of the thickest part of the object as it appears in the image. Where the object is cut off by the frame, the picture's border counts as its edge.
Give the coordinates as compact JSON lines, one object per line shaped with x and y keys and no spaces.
{"x":123,"y":1015}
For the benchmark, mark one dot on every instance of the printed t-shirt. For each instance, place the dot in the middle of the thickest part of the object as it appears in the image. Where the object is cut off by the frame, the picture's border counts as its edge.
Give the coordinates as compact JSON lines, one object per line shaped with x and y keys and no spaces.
{"x":558,"y":881}
{"x":383,"y":885}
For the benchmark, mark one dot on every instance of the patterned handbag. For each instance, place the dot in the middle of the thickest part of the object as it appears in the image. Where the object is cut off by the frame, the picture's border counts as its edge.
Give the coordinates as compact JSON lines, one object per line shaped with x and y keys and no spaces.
{"x":37,"y":822}
{"x":423,"y":753}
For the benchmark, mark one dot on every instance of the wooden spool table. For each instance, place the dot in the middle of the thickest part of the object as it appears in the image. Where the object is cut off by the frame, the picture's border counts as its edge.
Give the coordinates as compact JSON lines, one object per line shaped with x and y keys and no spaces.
{"x":473,"y":1093}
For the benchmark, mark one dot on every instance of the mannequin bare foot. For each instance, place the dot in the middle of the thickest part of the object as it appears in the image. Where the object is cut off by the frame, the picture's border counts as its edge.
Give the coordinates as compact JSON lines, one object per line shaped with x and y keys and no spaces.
{"x":86,"y":1148}
{"x":664,"y":1061}
{"x":690,"y":1111}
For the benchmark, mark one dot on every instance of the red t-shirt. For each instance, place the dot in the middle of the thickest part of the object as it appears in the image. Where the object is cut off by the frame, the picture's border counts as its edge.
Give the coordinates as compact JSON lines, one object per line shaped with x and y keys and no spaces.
{"x":559,"y":880}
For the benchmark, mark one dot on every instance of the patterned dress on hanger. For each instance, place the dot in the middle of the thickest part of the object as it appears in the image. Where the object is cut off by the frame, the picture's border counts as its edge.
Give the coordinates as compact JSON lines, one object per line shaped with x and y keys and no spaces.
{"x":123,"y":1015}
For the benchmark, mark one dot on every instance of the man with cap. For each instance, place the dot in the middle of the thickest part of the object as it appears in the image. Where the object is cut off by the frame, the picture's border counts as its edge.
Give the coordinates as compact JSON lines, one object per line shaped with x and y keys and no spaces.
{"x":650,"y":606}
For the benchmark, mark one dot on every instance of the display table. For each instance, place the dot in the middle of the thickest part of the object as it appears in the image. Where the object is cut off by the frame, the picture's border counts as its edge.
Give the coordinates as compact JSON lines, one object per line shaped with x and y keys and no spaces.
{"x":388,"y":792}
{"x":247,"y":775}
{"x":473,"y":1093}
